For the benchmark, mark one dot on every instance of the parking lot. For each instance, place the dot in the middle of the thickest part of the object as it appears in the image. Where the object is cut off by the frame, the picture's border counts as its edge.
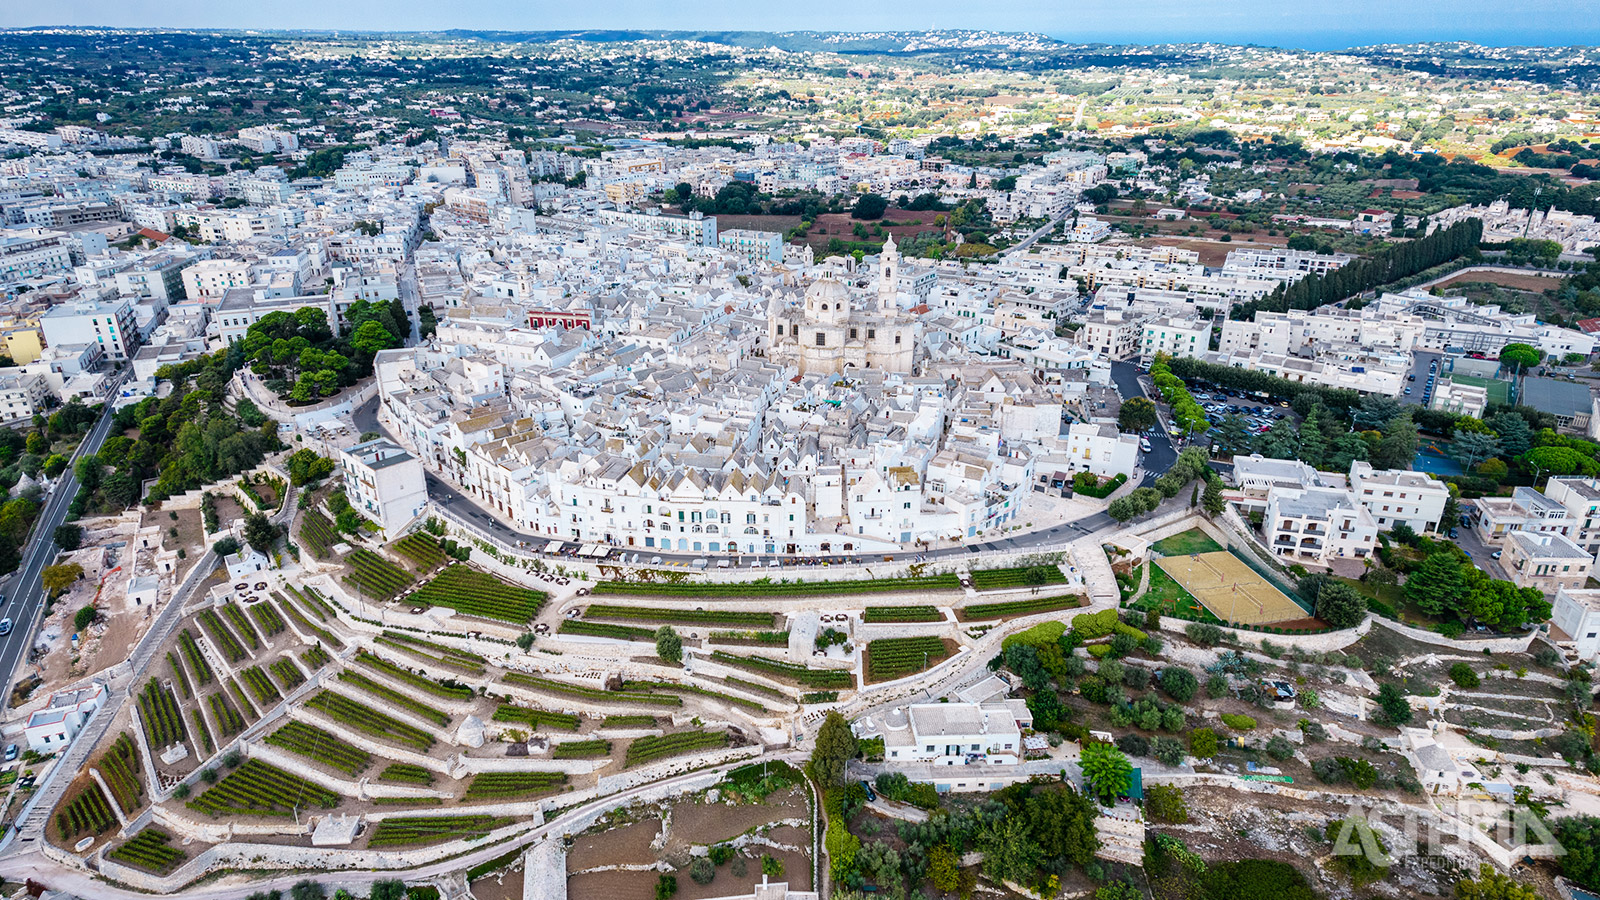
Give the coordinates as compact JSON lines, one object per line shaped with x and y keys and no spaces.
{"x":1417,"y":389}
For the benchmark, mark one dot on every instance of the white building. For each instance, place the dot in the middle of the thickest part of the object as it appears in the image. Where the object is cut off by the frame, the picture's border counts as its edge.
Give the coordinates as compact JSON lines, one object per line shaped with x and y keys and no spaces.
{"x":1459,"y":397}
{"x":1317,"y":525}
{"x":1575,"y":620}
{"x":1101,"y":449}
{"x":51,"y":729}
{"x":1176,"y":337}
{"x":1396,"y":496}
{"x":384,"y":483}
{"x":109,"y":323}
{"x":1581,"y":497}
{"x":952,"y":734}
{"x":215,"y":277}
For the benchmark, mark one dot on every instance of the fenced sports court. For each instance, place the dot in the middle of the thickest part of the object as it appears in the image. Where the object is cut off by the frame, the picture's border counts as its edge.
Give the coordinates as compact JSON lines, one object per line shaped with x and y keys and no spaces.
{"x":1233,"y":591}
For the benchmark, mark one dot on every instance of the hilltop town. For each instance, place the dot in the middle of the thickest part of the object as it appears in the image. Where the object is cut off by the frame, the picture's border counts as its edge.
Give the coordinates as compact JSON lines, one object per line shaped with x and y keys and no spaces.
{"x":795,"y":466}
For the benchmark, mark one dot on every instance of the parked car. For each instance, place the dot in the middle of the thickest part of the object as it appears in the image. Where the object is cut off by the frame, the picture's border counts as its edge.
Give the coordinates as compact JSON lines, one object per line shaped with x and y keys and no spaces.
{"x":1495,"y":555}
{"x":5,"y":625}
{"x":871,"y":794}
{"x":11,"y":752}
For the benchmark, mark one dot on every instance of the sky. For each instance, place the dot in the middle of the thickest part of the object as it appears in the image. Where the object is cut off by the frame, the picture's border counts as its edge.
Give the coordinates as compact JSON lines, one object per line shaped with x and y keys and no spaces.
{"x":1309,"y":24}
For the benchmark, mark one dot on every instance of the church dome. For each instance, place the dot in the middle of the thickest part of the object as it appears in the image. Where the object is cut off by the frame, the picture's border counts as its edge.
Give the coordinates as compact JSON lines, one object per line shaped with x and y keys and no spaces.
{"x":828,"y":299}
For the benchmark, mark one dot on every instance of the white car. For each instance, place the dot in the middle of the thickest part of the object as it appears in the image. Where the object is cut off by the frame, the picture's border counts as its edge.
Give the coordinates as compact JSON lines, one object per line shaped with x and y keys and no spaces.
{"x":1144,"y":444}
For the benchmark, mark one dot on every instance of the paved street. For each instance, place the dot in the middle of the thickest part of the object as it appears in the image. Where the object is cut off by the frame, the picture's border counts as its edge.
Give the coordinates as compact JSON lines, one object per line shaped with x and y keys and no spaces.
{"x":1125,"y":375}
{"x":24,"y":599}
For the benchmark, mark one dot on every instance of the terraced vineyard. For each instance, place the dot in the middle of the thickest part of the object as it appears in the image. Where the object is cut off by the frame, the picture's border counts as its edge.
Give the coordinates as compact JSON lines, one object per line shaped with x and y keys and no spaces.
{"x":536,"y":718}
{"x":404,"y":701}
{"x":606,"y":630}
{"x":406,"y":773}
{"x":581,"y":749}
{"x":119,"y":767}
{"x":224,"y":639}
{"x":534,"y":682}
{"x":317,"y":534}
{"x":470,"y":663}
{"x":322,"y":746}
{"x":422,"y":549}
{"x":373,"y":577}
{"x":649,"y":749}
{"x":86,"y":813}
{"x":420,"y":682}
{"x":228,"y":720}
{"x":312,"y":601}
{"x":315,"y":658}
{"x":259,"y":789}
{"x":241,"y":624}
{"x":673,"y":687}
{"x":197,"y":661}
{"x":1021,"y":576}
{"x":410,"y":831}
{"x":261,"y":687}
{"x":512,"y":785}
{"x":369,"y":721}
{"x":267,"y":619}
{"x":202,"y":732}
{"x":628,"y":722}
{"x":317,"y":632}
{"x":773,"y":589}
{"x":287,"y":673}
{"x":979,"y":611}
{"x":163,"y":724}
{"x":179,"y":676}
{"x":804,"y":676}
{"x":729,"y":617}
{"x":151,"y":850}
{"x":242,"y":701}
{"x":892,"y":658}
{"x":474,"y":593}
{"x":880,"y":614}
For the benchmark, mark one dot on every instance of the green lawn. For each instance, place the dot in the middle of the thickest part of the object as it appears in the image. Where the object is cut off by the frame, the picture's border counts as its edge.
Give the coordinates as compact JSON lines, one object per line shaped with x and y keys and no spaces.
{"x":1171,"y":597}
{"x":1192,"y":541}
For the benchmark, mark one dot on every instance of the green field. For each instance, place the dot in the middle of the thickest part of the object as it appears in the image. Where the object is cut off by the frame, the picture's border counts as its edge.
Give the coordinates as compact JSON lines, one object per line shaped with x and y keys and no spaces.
{"x":1185,"y":543}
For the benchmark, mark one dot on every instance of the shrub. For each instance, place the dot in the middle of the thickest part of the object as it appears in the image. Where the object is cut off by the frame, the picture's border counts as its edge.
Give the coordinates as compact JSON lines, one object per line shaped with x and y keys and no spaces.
{"x":1217,"y":686}
{"x":666,"y":886}
{"x":1099,"y":651}
{"x":1204,"y":634}
{"x":1095,"y":625}
{"x":1164,"y":803}
{"x":1134,"y":745}
{"x":1463,"y":676}
{"x":1179,"y":683}
{"x":701,"y":870}
{"x":1168,"y":751}
{"x":1279,"y":747}
{"x":1203,"y":743}
{"x":1238,"y":722}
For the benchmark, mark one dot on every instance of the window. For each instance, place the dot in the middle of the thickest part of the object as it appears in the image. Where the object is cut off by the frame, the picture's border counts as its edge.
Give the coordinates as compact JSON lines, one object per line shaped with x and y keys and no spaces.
{"x":822,"y":339}
{"x":852,"y":334}
{"x":780,"y":330}
{"x":897,"y":340}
